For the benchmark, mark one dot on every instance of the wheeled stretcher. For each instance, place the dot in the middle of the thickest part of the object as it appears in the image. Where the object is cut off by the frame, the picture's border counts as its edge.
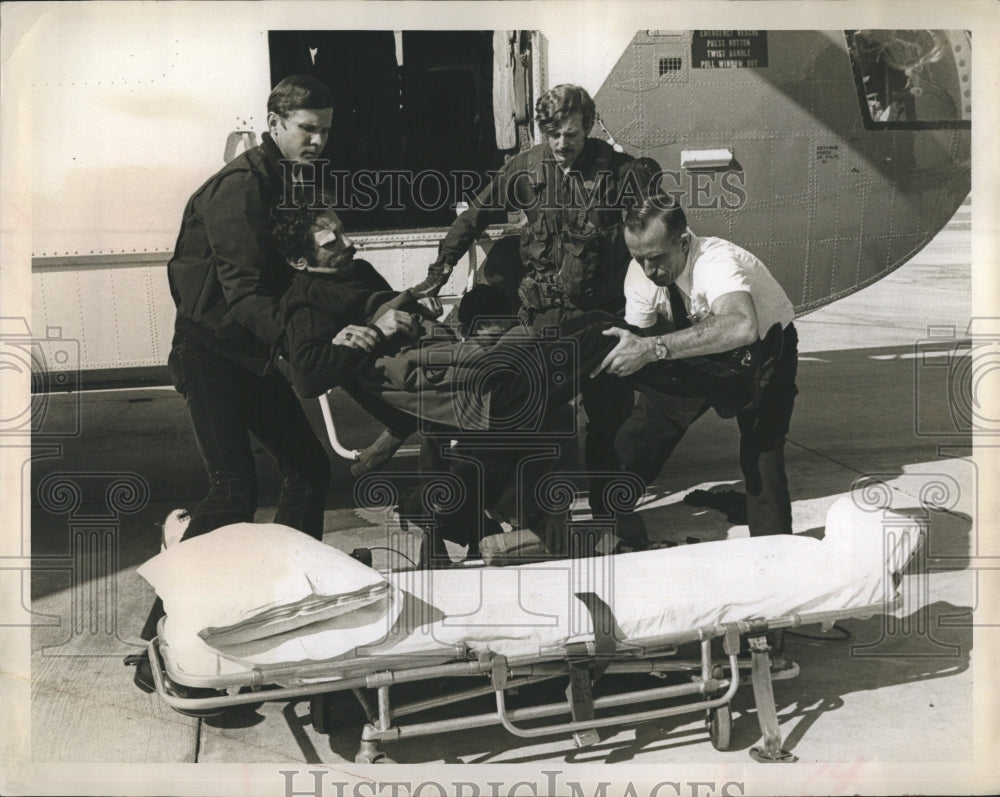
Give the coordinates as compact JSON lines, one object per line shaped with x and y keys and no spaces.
{"x":579,"y":622}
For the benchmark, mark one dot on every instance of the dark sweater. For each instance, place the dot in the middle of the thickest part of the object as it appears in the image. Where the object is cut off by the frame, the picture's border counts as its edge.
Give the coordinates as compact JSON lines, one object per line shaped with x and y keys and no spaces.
{"x":314,"y":309}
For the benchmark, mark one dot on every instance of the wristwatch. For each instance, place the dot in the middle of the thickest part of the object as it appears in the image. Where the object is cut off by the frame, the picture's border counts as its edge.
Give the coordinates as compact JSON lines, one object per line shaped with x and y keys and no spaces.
{"x":660,"y":348}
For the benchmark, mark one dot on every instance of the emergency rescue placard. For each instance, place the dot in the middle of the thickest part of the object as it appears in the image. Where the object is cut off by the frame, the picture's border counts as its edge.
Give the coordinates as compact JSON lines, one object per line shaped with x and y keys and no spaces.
{"x":728,"y":49}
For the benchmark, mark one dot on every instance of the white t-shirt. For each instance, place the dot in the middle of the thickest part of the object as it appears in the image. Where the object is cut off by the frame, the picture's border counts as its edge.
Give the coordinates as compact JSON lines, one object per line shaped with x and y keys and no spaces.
{"x":714,"y":267}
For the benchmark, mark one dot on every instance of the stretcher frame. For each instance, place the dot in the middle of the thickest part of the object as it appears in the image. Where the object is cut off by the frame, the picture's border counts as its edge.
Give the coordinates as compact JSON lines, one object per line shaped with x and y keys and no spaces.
{"x":350,"y":454}
{"x":710,"y":688}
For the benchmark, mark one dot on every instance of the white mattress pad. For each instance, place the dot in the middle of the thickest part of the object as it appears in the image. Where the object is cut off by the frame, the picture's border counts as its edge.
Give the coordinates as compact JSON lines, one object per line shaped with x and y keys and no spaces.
{"x":530,"y":610}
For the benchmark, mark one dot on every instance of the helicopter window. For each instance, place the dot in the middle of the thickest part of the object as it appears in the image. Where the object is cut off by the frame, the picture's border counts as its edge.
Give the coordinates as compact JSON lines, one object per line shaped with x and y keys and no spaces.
{"x":669,"y":65}
{"x":912,"y":79}
{"x":401,"y":158}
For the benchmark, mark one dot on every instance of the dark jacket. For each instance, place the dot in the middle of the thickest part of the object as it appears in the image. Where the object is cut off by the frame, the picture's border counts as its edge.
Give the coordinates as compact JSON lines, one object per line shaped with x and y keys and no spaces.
{"x":226,"y":275}
{"x":313,"y":310}
{"x":572,"y":245}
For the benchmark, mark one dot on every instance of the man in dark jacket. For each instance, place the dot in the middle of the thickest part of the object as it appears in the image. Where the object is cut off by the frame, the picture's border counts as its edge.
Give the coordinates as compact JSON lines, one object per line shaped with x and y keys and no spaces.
{"x":226,"y":279}
{"x":574,"y":191}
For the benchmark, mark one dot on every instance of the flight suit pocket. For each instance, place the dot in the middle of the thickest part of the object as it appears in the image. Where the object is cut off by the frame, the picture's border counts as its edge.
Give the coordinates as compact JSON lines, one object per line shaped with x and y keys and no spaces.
{"x":586,"y":265}
{"x":536,"y":245}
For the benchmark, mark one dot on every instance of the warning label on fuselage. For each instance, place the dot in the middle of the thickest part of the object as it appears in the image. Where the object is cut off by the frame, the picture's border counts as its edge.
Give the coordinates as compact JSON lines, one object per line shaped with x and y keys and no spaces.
{"x":728,"y":49}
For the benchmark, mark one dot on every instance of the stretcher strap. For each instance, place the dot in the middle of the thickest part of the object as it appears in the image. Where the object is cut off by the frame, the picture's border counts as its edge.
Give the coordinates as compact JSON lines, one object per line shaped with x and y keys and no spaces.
{"x":584,"y":672}
{"x":580,"y":692}
{"x":604,"y":624}
{"x":767,"y":714}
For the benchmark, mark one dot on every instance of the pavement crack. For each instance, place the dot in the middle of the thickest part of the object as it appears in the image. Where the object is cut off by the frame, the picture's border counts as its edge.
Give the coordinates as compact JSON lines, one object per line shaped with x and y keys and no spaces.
{"x":827,"y":457}
{"x":909,"y":494}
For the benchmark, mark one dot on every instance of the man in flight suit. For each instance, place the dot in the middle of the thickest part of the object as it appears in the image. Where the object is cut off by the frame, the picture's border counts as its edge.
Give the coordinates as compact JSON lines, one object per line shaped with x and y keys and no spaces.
{"x":574,"y":190}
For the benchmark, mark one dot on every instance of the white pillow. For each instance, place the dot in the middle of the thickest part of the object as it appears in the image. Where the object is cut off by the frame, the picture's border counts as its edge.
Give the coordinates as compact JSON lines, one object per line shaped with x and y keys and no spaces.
{"x":253,"y":580}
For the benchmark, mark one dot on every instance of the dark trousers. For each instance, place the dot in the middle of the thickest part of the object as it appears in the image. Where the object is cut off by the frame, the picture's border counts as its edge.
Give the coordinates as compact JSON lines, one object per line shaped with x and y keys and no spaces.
{"x":562,"y":363}
{"x":227,"y":404}
{"x":482,"y":468}
{"x":659,"y":421}
{"x":462,"y":478}
{"x":606,"y":399}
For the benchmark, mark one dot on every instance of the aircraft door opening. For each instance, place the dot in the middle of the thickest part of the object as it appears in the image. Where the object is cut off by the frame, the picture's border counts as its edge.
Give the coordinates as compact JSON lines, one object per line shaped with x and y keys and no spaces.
{"x":413,"y":109}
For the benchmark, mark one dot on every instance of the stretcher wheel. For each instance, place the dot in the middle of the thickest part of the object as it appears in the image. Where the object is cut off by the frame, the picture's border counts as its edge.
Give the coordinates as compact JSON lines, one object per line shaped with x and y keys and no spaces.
{"x":720,"y":726}
{"x":369,"y":753}
{"x":381,"y":758}
{"x":321,"y":713}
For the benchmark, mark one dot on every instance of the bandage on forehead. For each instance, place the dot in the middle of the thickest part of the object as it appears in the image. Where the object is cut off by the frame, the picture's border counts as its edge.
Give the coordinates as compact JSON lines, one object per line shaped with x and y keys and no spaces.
{"x":326,"y":236}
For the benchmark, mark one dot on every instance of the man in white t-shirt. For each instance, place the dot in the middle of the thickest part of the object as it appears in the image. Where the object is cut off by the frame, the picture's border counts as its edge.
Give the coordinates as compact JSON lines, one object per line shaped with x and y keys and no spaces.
{"x":714,"y":328}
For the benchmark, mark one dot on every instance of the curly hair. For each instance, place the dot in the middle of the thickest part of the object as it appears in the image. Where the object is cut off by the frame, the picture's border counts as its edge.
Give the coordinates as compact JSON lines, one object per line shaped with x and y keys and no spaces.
{"x":292,"y":226}
{"x":559,"y":103}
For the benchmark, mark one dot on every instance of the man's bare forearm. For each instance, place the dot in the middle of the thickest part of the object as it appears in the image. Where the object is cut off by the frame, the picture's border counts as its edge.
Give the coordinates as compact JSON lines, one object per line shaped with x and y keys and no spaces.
{"x":711,"y":335}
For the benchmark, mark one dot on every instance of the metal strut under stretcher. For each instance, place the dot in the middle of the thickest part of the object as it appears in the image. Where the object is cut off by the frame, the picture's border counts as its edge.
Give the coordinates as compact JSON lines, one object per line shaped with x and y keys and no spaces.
{"x":620,"y":667}
{"x":707,"y":683}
